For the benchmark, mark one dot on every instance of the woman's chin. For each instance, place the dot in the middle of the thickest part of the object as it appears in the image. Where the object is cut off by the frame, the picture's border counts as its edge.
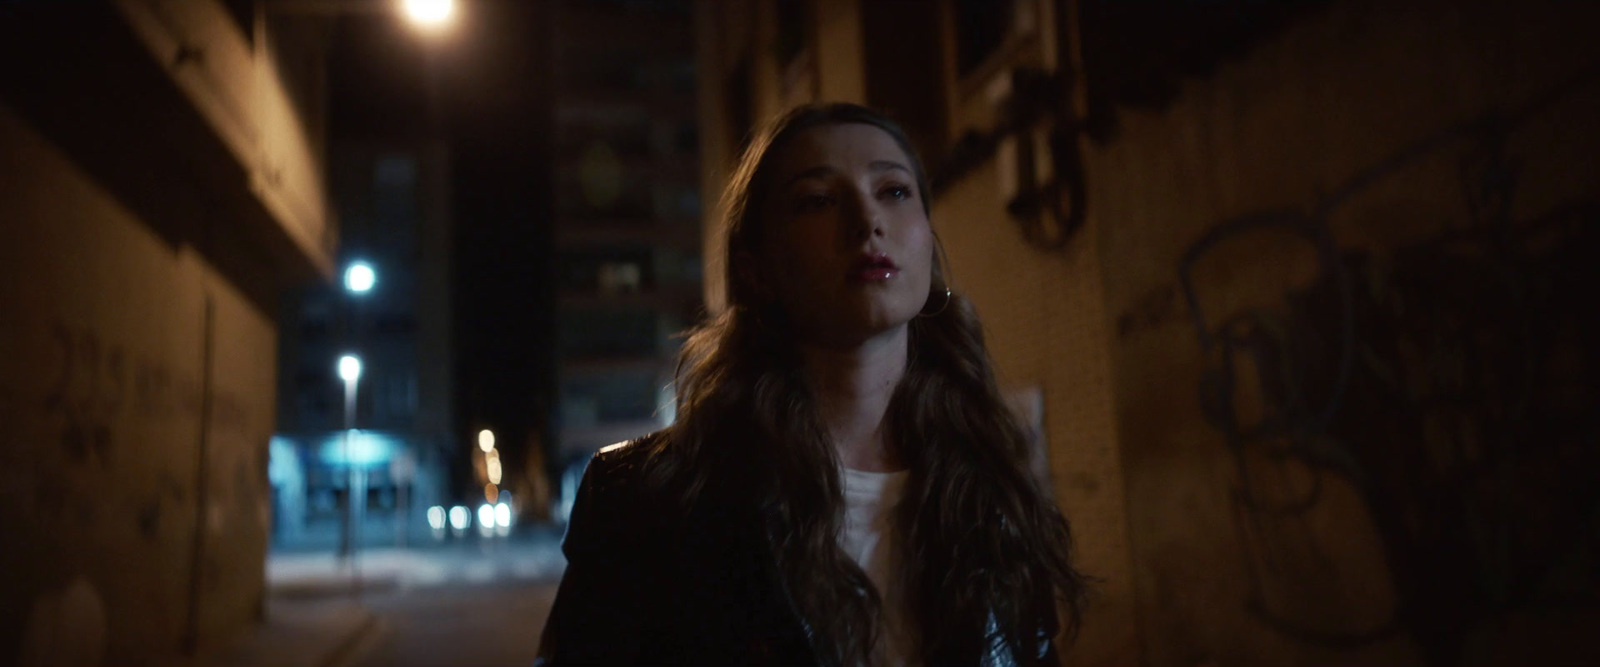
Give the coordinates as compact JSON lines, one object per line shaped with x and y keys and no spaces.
{"x":854,"y":321}
{"x":874,"y":326}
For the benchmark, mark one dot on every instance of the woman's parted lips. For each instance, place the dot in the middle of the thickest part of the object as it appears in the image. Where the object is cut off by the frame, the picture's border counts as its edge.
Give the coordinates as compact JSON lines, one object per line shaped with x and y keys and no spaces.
{"x":873,"y":267}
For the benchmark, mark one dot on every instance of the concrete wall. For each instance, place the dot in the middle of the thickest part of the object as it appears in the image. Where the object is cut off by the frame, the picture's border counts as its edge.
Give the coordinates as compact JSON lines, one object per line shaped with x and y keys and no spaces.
{"x":233,"y":81}
{"x":1340,"y":96}
{"x":124,"y":358}
{"x":1044,"y":317}
{"x":160,"y":189}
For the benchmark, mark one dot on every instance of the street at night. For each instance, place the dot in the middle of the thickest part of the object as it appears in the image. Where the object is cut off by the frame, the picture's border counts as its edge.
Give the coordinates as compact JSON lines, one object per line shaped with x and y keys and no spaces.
{"x":459,"y":624}
{"x":866,"y":333}
{"x":456,"y":602}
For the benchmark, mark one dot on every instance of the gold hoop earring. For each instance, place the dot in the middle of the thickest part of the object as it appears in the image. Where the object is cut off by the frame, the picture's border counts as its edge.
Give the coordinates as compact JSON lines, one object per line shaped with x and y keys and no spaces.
{"x":942,"y":305}
{"x":944,"y":268}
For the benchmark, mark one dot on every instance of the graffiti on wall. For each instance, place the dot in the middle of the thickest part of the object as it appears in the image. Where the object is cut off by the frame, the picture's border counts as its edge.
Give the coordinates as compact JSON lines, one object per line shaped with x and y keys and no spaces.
{"x":99,"y":392}
{"x":1450,"y":381}
{"x":96,"y":379}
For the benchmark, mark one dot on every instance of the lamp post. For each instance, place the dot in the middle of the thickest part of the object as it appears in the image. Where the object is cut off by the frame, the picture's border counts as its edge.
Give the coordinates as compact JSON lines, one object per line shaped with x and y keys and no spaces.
{"x":350,"y":372}
{"x":359,"y":279}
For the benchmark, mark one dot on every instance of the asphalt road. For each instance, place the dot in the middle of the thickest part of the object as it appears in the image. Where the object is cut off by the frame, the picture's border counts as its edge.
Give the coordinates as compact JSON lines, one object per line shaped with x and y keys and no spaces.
{"x":470,"y":625}
{"x":470,"y":602}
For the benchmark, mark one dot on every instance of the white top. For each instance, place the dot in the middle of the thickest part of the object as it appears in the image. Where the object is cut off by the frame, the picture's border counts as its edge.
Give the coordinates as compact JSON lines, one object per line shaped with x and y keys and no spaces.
{"x":869,"y":500}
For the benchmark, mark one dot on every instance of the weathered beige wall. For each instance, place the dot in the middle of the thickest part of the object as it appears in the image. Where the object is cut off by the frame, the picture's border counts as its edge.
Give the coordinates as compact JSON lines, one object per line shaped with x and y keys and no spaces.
{"x":104,"y":410}
{"x":841,"y":69}
{"x":1342,"y":90}
{"x":713,"y":57}
{"x":1045,"y":323}
{"x":234,"y":81}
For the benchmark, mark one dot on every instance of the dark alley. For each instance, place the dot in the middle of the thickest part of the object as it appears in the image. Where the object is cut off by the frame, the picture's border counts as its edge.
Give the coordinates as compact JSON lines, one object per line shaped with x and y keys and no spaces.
{"x":1175,"y":333}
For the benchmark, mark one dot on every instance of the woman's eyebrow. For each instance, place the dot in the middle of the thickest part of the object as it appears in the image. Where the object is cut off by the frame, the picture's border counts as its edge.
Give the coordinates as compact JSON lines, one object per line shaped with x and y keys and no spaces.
{"x":814,"y":172}
{"x":888,"y":165}
{"x":825,"y":170}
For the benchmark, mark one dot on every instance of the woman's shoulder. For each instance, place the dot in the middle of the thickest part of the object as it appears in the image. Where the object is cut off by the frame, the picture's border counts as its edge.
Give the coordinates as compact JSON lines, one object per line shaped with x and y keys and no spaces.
{"x":620,"y":467}
{"x":613,"y":499}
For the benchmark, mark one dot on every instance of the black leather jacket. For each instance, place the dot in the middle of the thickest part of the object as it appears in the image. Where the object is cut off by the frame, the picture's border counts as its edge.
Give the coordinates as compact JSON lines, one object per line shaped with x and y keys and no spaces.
{"x":647,"y":585}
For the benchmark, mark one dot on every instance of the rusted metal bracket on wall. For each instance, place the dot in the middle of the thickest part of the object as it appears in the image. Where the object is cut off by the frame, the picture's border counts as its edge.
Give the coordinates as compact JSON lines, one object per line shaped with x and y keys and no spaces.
{"x":1049,"y":213}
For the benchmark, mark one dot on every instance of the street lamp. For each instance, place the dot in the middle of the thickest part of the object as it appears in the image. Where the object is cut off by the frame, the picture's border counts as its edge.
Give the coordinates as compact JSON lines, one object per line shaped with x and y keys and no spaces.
{"x":486,"y":440}
{"x":491,"y":466}
{"x":422,"y":13}
{"x":359,"y":278}
{"x":350,"y":372}
{"x":429,"y":13}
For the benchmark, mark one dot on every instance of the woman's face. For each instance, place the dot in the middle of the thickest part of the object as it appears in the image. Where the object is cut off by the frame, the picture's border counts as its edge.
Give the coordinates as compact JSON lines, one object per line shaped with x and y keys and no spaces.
{"x":846,"y":249}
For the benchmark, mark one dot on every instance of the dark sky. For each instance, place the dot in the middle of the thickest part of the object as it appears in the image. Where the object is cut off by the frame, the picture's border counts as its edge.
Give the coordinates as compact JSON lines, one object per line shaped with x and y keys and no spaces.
{"x":483,"y":87}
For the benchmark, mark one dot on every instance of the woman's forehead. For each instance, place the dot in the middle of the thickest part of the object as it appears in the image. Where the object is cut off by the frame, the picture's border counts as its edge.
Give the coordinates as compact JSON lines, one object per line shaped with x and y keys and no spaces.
{"x":840,"y":147}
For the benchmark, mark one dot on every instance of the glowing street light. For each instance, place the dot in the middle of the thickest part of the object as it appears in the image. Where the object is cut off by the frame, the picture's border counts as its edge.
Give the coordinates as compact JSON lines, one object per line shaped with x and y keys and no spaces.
{"x":360,"y":278}
{"x":429,"y":13}
{"x":486,"y":440}
{"x":491,"y":467}
{"x":460,"y":518}
{"x":426,"y":15}
{"x":349,"y":368}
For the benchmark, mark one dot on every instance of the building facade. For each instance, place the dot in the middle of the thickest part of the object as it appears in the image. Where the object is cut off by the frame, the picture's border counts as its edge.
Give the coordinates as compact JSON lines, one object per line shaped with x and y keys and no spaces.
{"x":1270,"y":275}
{"x":162,"y":183}
{"x":627,"y":200}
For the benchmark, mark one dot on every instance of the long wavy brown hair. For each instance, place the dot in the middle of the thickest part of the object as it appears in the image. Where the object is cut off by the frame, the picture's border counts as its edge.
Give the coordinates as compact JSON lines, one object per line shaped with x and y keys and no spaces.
{"x":986,"y":554}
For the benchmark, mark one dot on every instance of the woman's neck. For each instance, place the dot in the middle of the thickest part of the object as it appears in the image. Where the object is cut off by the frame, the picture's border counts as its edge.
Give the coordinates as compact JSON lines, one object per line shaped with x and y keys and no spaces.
{"x":853,"y":386}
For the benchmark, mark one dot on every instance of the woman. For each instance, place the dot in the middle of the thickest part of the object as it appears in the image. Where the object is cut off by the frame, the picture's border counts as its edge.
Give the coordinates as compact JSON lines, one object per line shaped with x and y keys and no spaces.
{"x":843,"y":485}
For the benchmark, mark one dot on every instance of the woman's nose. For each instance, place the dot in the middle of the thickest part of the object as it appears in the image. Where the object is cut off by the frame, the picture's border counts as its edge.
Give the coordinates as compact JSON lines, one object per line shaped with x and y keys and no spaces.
{"x":866,"y":221}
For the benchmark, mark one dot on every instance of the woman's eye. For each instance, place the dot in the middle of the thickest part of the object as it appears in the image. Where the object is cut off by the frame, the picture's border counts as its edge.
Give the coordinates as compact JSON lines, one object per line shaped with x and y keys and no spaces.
{"x":896,"y":192}
{"x":813,"y":202}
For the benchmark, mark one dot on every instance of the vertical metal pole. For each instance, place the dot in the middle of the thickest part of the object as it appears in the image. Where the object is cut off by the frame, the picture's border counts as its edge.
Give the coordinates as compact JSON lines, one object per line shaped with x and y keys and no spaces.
{"x":402,"y":505}
{"x":346,"y":527}
{"x":358,"y":505}
{"x":197,"y":552}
